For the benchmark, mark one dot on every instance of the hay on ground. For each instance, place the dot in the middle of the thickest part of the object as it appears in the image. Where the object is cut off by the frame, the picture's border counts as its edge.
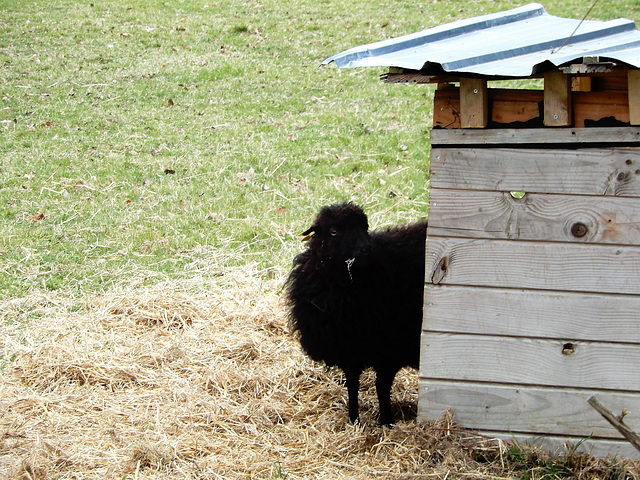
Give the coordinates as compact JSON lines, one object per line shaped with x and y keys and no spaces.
{"x":181,"y":381}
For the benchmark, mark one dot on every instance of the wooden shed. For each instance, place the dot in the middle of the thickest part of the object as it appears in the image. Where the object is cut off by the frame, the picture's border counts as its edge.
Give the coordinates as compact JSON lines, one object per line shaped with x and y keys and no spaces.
{"x":532,"y":285}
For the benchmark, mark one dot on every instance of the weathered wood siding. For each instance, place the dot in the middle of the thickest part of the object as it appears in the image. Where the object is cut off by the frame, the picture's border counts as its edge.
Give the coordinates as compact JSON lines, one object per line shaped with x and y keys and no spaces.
{"x":533,"y":304}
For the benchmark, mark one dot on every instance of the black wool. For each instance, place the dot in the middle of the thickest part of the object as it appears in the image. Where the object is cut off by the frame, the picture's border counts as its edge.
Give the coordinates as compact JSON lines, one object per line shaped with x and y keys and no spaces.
{"x":355,"y":298}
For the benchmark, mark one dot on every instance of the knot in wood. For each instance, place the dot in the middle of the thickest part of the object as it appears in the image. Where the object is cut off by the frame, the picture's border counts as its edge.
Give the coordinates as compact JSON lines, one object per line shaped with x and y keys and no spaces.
{"x":440,"y":271}
{"x":623,"y":177}
{"x":579,"y":229}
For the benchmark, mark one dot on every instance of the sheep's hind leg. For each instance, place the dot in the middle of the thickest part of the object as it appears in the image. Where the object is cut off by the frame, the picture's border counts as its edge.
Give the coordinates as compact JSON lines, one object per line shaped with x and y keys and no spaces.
{"x":353,"y":386}
{"x":384,"y":380}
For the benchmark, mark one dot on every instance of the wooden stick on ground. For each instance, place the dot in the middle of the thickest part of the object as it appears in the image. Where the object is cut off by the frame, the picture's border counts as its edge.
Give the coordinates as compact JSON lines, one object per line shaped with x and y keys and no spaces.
{"x":619,"y":425}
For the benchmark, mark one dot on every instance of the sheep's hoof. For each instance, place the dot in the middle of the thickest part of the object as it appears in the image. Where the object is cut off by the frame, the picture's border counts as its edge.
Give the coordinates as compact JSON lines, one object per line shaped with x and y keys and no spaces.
{"x":386,"y":420}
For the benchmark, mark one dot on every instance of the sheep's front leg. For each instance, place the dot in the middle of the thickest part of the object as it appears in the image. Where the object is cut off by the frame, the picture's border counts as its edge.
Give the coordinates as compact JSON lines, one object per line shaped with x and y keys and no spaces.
{"x":384,"y":380}
{"x":353,"y":387}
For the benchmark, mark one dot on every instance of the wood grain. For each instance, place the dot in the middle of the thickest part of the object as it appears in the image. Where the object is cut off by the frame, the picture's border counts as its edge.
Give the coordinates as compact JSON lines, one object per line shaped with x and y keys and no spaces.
{"x":557,"y":100}
{"x":536,"y":136}
{"x":634,"y":96}
{"x":528,"y":313}
{"x":584,"y":172}
{"x":446,"y":108}
{"x":503,"y":106}
{"x":561,"y":218}
{"x":500,"y":408}
{"x":474,"y":103}
{"x":534,"y":362}
{"x":531,"y":304}
{"x":559,"y":445}
{"x":534,"y":265}
{"x":598,"y":105}
{"x":509,"y":106}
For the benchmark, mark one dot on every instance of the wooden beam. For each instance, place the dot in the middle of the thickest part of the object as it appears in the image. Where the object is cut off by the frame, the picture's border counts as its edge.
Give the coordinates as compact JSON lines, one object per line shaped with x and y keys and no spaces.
{"x":557,"y":100}
{"x":474,"y":103}
{"x":623,"y":136}
{"x":634,"y":97}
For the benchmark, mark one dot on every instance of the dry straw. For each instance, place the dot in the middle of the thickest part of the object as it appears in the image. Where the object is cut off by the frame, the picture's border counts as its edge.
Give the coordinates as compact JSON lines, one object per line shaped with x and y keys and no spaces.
{"x":200,"y":379}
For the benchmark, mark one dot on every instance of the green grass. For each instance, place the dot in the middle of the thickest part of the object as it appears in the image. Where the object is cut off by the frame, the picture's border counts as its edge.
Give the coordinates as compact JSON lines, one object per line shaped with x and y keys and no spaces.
{"x":134,"y":136}
{"x":139,"y":137}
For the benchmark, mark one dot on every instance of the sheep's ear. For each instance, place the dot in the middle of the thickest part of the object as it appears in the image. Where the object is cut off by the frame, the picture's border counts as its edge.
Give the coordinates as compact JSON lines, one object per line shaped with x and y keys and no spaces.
{"x":308,"y":234}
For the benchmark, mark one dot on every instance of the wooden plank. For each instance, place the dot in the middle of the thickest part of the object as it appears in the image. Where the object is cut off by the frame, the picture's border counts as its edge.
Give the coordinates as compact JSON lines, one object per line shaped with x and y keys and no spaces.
{"x":473,"y":106}
{"x":580,"y":84}
{"x":415,"y":77}
{"x":615,"y":80}
{"x":504,"y":105}
{"x":508,"y":106}
{"x":581,"y":171}
{"x":564,"y":316}
{"x":557,"y":445}
{"x":524,"y":409}
{"x":446,"y":108}
{"x":536,"y":136}
{"x":534,"y":265}
{"x":562,"y":218}
{"x":557,"y":100}
{"x":474,"y":103}
{"x":634,"y":96}
{"x":610,"y":107}
{"x":524,"y":361}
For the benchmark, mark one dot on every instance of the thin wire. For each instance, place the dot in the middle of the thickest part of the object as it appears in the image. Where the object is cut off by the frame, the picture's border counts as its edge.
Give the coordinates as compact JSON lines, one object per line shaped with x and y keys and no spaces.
{"x":576,"y":29}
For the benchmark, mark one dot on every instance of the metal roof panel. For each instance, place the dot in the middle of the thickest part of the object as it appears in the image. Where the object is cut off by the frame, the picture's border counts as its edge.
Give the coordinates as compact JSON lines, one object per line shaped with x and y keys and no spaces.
{"x":517,"y":42}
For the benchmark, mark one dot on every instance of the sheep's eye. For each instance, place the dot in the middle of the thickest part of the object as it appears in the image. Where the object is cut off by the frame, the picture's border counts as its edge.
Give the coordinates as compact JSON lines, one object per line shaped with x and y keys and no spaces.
{"x":333,"y":232}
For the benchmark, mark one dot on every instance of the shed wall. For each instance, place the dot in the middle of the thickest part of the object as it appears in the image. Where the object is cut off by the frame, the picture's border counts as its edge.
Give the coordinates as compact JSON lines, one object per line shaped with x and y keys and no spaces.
{"x":531,"y":304}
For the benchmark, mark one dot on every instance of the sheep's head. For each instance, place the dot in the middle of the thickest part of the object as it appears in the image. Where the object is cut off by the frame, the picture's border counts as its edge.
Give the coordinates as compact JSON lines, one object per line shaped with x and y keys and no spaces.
{"x":339,"y":238}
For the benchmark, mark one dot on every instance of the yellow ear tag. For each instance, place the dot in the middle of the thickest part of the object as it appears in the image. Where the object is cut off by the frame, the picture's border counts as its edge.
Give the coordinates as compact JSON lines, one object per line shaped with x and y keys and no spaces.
{"x":307,"y":237}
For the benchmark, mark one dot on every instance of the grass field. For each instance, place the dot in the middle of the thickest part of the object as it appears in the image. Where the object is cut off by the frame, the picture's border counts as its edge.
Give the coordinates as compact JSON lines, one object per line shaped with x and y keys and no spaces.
{"x":135,"y":135}
{"x":157,"y":161}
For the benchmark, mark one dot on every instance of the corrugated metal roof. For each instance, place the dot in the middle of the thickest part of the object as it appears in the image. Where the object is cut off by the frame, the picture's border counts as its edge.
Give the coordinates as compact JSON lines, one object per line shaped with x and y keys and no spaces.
{"x":520,"y":42}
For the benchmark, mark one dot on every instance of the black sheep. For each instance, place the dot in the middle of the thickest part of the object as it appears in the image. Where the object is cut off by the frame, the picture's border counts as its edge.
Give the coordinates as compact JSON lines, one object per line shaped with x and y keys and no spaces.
{"x":356,"y":298}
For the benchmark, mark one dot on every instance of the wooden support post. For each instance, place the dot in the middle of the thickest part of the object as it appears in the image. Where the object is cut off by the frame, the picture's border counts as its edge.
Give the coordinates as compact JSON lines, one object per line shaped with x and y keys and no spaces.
{"x":634,"y":97}
{"x":474,"y":103}
{"x":557,"y":100}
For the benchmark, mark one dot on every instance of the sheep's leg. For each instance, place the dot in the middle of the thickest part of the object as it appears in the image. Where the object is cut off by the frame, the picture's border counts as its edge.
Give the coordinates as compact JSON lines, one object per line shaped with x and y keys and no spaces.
{"x":384,"y":380}
{"x":353,"y":387}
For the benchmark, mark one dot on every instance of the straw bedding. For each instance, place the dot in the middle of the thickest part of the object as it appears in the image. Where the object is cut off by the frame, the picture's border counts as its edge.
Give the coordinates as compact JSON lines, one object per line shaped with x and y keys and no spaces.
{"x":199,"y":379}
